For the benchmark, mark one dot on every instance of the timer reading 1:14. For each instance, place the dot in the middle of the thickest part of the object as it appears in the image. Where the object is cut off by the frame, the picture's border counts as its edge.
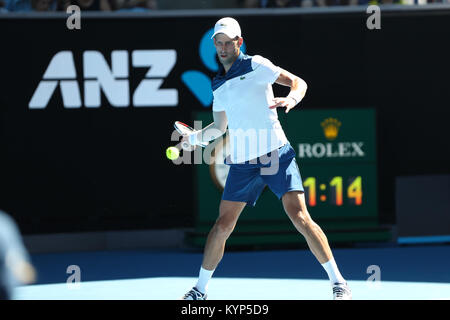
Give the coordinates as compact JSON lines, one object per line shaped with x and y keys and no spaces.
{"x":336,"y":184}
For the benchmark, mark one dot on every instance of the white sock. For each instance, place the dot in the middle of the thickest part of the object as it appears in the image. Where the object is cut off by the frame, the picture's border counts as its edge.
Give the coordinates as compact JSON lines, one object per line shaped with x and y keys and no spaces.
{"x":333,"y":272}
{"x":203,"y":278}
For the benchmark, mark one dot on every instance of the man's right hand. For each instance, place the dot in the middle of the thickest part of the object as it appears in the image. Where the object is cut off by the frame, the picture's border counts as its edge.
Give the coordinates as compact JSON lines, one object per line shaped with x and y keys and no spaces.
{"x":185,"y":143}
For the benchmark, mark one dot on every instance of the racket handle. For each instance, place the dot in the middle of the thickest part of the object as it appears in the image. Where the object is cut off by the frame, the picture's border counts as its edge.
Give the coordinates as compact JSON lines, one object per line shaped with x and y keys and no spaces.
{"x":186,"y":146}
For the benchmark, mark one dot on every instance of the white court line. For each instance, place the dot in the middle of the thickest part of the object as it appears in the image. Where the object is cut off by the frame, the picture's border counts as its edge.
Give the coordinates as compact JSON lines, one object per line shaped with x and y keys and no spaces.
{"x":172,"y":288}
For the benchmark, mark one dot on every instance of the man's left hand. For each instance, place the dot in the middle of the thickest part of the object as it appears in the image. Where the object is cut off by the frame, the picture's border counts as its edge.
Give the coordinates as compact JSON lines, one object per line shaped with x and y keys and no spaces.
{"x":286,"y":102}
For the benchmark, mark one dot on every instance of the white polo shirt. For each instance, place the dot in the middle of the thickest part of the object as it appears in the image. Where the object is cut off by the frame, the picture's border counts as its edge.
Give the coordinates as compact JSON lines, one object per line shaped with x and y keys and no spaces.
{"x":245,"y":94}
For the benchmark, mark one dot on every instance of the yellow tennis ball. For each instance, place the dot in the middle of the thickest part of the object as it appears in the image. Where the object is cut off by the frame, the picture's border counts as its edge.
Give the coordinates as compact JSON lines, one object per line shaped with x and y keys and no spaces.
{"x":172,"y":153}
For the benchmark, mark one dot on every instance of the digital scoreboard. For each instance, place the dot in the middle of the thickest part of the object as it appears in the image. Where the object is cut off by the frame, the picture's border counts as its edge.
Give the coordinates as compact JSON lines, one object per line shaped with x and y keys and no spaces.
{"x":336,"y":154}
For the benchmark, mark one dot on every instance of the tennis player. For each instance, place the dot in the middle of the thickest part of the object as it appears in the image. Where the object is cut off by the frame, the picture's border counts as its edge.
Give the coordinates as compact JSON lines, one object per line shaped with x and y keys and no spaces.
{"x":244,"y":102}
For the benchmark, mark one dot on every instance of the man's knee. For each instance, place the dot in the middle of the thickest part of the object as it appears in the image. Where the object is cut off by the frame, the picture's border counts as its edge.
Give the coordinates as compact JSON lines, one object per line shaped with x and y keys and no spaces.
{"x":300,"y":217}
{"x":229,"y":212}
{"x":224,"y":226}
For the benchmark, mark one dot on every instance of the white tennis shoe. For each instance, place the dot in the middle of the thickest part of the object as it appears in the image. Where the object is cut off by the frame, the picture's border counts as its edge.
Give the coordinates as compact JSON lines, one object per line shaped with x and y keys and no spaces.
{"x":341,"y":291}
{"x":194,"y":294}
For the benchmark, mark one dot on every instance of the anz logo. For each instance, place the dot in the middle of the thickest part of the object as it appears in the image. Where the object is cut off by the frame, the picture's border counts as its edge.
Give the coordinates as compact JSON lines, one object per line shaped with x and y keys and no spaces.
{"x":113,"y":82}
{"x":197,"y":81}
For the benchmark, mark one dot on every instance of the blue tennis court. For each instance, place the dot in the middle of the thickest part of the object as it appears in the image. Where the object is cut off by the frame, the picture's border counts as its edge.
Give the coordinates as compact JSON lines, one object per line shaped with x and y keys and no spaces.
{"x":406,"y":273}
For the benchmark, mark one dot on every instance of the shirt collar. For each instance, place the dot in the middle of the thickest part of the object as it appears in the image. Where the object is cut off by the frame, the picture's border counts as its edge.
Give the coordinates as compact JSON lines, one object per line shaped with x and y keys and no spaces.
{"x":233,"y":68}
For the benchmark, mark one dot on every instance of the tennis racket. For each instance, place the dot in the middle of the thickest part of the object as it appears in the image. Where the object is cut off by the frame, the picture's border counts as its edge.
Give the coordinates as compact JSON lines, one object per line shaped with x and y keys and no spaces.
{"x":184,"y":129}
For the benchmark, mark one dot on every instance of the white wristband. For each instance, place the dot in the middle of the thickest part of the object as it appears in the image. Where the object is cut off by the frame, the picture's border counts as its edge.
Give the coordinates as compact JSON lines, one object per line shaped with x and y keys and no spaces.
{"x":295,"y":96}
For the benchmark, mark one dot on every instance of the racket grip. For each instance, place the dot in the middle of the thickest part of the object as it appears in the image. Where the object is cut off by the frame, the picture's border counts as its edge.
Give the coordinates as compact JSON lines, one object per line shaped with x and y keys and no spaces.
{"x":186,"y":146}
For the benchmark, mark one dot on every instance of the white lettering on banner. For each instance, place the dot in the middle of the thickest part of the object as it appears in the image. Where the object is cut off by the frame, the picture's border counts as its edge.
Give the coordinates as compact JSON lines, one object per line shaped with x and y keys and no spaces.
{"x":318,"y":150}
{"x":113,"y":82}
{"x":96,"y":68}
{"x":148,"y":92}
{"x":61,"y":67}
{"x":331,"y":150}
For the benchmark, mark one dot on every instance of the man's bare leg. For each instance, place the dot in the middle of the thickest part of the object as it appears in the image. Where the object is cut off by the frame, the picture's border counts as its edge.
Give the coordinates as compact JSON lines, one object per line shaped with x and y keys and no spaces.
{"x":229,"y":212}
{"x":295,"y":207}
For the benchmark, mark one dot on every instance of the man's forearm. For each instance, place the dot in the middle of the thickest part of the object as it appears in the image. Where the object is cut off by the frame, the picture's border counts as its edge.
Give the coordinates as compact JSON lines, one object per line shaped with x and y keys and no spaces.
{"x":298,"y":85}
{"x":298,"y":89}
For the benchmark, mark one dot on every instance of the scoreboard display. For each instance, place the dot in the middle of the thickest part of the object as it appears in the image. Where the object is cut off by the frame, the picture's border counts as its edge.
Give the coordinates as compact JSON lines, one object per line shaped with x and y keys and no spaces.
{"x":336,"y":154}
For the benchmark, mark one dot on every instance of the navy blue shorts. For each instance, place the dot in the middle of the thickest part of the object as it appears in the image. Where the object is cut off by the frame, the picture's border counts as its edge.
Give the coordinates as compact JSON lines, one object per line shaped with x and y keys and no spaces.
{"x":246,"y":181}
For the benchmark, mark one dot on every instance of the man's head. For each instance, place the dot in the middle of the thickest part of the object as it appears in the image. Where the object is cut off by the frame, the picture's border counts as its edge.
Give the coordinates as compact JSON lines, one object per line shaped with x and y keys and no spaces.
{"x":227,"y":40}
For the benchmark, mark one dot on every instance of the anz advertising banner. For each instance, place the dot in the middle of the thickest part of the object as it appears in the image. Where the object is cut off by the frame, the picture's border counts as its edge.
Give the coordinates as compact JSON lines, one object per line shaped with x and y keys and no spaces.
{"x":88,"y":114}
{"x":126,"y":78}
